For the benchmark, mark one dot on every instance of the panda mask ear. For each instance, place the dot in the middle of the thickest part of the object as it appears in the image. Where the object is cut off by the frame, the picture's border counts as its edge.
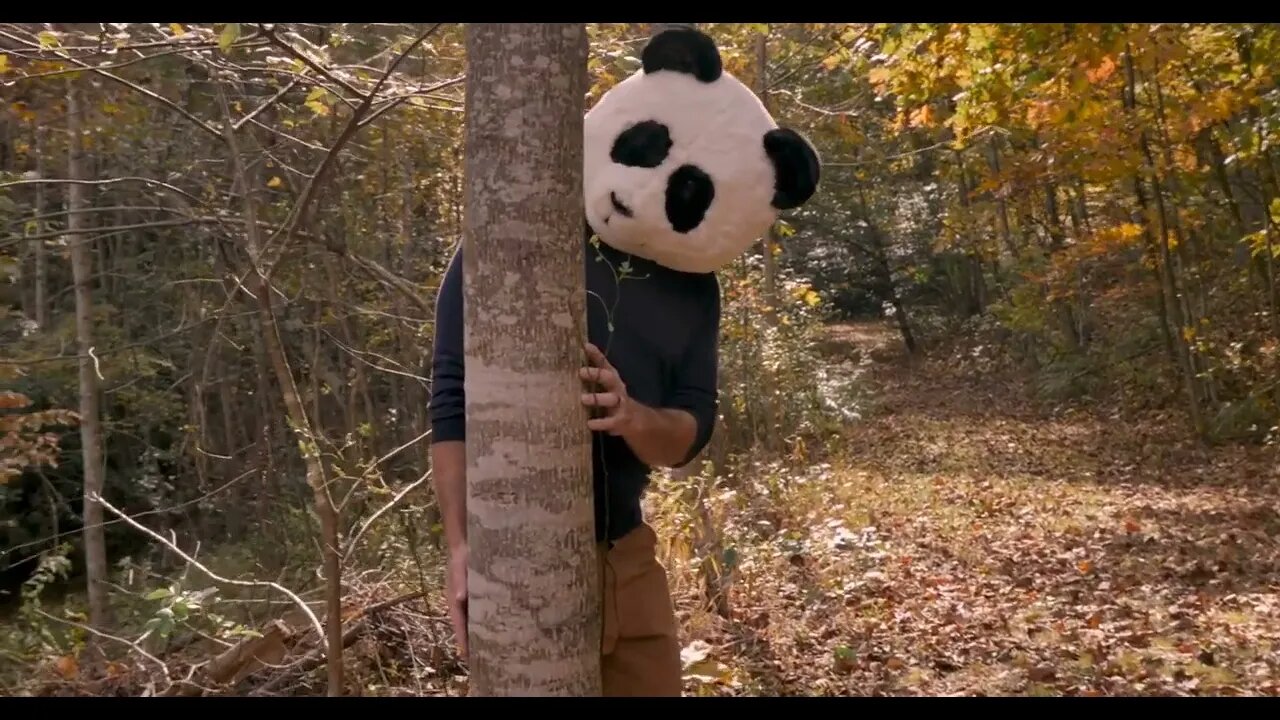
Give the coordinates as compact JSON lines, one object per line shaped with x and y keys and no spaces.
{"x":683,"y":50}
{"x":796,"y":167}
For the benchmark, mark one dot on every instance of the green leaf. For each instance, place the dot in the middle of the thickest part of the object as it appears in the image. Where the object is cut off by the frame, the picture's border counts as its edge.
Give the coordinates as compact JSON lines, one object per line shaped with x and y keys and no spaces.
{"x":158,"y":594}
{"x":316,"y":101}
{"x":730,"y":557}
{"x":230,"y":33}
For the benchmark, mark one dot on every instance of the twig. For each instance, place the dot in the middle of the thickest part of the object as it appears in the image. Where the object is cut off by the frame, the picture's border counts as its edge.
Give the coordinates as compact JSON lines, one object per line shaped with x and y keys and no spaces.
{"x":312,"y":659}
{"x":131,"y":85}
{"x":69,"y":181}
{"x":358,"y":355}
{"x":394,"y":102}
{"x":306,"y":59}
{"x":124,"y":641}
{"x":315,"y":621}
{"x":377,"y":272}
{"x":398,"y":450}
{"x":928,"y":148}
{"x":393,"y":602}
{"x":113,"y":351}
{"x":309,"y":192}
{"x":126,"y":63}
{"x":369,"y":521}
{"x":115,"y":228}
{"x":270,"y":101}
{"x":399,"y":59}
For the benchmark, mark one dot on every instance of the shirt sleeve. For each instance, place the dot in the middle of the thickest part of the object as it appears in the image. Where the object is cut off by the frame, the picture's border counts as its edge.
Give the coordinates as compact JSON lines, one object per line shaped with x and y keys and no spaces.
{"x":448,"y":403}
{"x":697,"y":377}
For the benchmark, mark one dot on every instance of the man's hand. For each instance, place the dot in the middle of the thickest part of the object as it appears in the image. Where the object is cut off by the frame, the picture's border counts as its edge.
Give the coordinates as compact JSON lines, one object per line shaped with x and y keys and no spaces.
{"x":619,"y":415}
{"x":456,"y":592}
{"x":658,"y":437}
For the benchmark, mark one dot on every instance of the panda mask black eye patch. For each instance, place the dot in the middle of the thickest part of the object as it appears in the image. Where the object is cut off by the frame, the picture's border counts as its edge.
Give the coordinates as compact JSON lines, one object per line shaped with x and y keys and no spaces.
{"x":643,"y":145}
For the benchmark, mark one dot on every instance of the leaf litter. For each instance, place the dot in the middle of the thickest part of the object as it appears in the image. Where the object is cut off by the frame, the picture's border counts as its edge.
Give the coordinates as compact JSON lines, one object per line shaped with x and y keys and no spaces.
{"x":963,"y":540}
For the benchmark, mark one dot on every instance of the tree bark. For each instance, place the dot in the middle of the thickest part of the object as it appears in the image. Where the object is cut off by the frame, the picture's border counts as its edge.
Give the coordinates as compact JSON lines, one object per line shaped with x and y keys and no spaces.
{"x":42,"y":261}
{"x":767,"y":242}
{"x":308,"y":438}
{"x":95,"y":549}
{"x":533,"y":579}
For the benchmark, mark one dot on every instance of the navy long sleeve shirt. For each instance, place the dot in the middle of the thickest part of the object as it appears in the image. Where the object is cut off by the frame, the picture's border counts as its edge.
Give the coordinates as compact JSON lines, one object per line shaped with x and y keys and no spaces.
{"x":659,"y":328}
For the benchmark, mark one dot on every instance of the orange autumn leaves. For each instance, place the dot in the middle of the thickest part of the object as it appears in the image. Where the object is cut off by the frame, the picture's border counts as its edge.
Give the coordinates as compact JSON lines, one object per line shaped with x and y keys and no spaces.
{"x":24,"y":440}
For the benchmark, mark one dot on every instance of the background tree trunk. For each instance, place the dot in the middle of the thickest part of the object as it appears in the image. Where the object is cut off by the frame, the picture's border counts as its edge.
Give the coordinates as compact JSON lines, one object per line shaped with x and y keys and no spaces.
{"x":769,"y":239}
{"x":95,"y":550}
{"x":42,"y":255}
{"x":533,"y":579}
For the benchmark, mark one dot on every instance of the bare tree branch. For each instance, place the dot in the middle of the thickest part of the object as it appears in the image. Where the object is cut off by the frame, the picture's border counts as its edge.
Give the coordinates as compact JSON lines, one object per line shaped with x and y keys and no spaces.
{"x":133,"y":86}
{"x":271,"y":101}
{"x":311,"y":616}
{"x":351,"y":544}
{"x":70,"y":181}
{"x":295,"y":52}
{"x":394,"y":102}
{"x":123,"y":641}
{"x":300,"y":209}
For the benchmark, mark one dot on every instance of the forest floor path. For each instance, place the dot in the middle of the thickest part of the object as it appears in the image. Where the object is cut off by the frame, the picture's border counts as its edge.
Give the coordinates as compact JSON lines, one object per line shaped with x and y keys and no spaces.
{"x":965,"y":539}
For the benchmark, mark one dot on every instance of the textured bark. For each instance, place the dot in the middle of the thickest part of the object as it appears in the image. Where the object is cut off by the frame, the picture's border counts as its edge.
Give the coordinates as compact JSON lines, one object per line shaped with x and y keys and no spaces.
{"x":533,"y":579}
{"x":95,"y":548}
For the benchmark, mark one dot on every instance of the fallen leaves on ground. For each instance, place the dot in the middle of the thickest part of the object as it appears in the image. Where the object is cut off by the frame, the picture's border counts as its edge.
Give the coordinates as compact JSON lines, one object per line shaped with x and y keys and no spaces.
{"x":964,"y":541}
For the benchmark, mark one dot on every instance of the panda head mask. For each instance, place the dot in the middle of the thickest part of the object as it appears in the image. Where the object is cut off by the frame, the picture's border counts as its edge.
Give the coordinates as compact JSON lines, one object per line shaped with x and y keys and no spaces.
{"x":684,"y":165}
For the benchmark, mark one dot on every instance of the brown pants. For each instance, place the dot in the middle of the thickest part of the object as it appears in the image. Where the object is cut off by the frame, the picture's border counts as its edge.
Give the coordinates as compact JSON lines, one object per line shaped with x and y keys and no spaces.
{"x":640,"y":653}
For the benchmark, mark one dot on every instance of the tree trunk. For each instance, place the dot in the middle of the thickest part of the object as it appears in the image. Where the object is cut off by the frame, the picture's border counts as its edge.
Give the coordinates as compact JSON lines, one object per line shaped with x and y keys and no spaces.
{"x":1266,"y":167}
{"x":770,"y":264}
{"x":308,"y":438}
{"x":880,"y":256}
{"x":533,"y":580}
{"x":1160,"y":234}
{"x":95,"y":549}
{"x":42,"y":256}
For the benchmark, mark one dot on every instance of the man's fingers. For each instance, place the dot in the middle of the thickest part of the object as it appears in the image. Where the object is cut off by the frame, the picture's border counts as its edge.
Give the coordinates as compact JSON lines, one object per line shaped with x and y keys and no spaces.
{"x":597,"y":358}
{"x":604,"y":399}
{"x":604,"y":424}
{"x":607,"y":378}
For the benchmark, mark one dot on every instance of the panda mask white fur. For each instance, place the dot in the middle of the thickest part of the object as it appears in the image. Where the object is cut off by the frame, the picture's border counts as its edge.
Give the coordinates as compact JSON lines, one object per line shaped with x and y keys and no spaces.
{"x":684,"y":165}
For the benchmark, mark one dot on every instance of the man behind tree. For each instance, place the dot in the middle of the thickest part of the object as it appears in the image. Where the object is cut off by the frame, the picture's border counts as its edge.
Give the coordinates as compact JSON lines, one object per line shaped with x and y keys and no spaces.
{"x":684,"y":170}
{"x":654,"y":412}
